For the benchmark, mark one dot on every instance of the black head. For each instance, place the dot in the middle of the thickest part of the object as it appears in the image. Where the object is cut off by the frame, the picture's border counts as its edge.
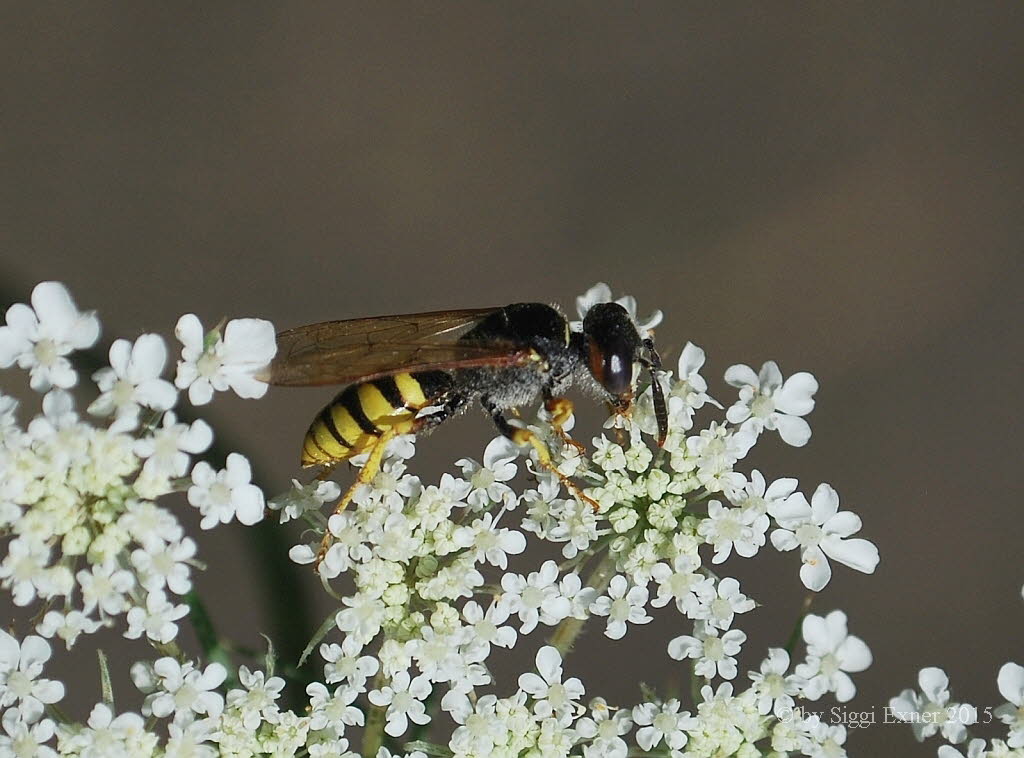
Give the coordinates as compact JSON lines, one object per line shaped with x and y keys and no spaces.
{"x":612,"y":345}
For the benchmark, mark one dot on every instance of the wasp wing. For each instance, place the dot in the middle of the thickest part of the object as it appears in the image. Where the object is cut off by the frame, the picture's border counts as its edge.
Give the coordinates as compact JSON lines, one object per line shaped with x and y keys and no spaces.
{"x":343,"y":352}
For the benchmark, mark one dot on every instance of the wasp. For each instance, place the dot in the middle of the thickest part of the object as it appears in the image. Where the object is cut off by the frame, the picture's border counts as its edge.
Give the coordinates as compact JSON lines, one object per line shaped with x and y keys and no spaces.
{"x":407,"y":374}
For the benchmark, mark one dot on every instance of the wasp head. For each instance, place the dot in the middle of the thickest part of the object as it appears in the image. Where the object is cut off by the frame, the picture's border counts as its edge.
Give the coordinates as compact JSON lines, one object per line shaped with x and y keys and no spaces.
{"x":612,"y":345}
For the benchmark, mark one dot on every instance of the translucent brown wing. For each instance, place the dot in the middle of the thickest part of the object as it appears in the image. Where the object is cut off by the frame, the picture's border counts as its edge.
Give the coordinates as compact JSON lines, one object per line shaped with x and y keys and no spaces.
{"x":343,"y":352}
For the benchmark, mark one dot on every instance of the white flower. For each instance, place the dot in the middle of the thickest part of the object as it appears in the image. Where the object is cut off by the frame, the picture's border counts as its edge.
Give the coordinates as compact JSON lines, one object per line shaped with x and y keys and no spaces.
{"x":729,"y":528}
{"x":684,"y":583}
{"x":826,"y":741}
{"x":167,"y":448}
{"x":223,"y":495}
{"x":246,"y":348}
{"x":67,"y":626}
{"x":390,"y":487}
{"x":975,"y":749}
{"x":1011,"y":686}
{"x":761,"y":497}
{"x":608,"y":455}
{"x":932,"y":710}
{"x":488,"y":481}
{"x":485,"y":629}
{"x":25,"y":740}
{"x":184,"y":691}
{"x":162,"y":566}
{"x":662,"y":722}
{"x":552,"y":696}
{"x":713,"y":453}
{"x":773,"y":689}
{"x":105,"y":587}
{"x":304,"y":497}
{"x":437,"y":654}
{"x":156,"y":620}
{"x":24,"y":570}
{"x":39,"y":337}
{"x":20,"y":667}
{"x":768,"y":403}
{"x":257,"y":702}
{"x":327,"y":709}
{"x":831,"y":652}
{"x":487,"y":542}
{"x":542,"y":504}
{"x":820,"y":530}
{"x":344,"y":663}
{"x":602,"y":293}
{"x":536,"y":597}
{"x":363,"y":616}
{"x":719,"y":608}
{"x":404,"y":701}
{"x":109,"y":737}
{"x":604,"y":730}
{"x":714,"y":654}
{"x":149,"y":524}
{"x":481,"y":728}
{"x":187,"y":740}
{"x":623,"y":603}
{"x":133,"y":380}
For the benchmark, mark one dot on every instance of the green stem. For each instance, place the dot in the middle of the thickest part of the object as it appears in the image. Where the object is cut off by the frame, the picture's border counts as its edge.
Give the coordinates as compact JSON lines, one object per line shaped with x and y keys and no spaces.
{"x":567,"y":632}
{"x":373,"y":734}
{"x":213,"y":650}
{"x":794,"y":637}
{"x":696,"y":682}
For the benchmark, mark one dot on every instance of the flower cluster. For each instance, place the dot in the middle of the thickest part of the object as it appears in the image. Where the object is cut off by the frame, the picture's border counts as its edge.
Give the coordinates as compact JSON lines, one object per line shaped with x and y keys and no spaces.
{"x":932,"y":711}
{"x":427,"y":575}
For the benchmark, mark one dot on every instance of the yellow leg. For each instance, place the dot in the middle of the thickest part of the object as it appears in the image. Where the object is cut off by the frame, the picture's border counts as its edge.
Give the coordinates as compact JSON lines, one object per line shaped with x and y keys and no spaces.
{"x":365,"y":476}
{"x":526,"y":437}
{"x":560,"y":409}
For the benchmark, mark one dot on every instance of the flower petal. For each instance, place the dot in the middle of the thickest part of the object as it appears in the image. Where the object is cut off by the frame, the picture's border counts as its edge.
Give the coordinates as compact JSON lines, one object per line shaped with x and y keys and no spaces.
{"x":793,"y":429}
{"x":795,"y":396}
{"x":858,"y":554}
{"x":855,"y":656}
{"x":824,"y":503}
{"x":1011,"y":683}
{"x":740,"y":375}
{"x":149,"y":354}
{"x":549,"y":663}
{"x":816,"y":571}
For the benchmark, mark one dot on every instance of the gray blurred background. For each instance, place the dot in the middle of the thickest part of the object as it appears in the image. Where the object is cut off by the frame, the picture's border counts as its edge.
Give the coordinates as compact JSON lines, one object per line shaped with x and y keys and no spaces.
{"x":836,"y":186}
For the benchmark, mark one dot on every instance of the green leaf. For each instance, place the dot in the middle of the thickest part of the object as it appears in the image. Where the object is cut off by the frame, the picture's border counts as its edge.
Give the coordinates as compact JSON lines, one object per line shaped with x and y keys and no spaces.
{"x":105,"y":686}
{"x":317,"y":637}
{"x":429,"y":748}
{"x":271,"y":657}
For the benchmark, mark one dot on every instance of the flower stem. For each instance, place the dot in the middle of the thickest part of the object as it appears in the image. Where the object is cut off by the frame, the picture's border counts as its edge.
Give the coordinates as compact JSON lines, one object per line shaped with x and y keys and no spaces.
{"x":373,"y":734}
{"x":798,"y":628}
{"x":567,"y":632}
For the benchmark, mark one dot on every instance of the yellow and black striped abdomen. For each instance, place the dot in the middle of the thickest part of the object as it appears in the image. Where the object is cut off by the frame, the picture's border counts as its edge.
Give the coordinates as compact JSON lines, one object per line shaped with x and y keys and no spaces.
{"x":357,"y":417}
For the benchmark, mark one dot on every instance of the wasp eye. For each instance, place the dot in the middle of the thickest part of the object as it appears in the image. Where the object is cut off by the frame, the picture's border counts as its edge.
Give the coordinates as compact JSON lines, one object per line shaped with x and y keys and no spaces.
{"x":612,"y":367}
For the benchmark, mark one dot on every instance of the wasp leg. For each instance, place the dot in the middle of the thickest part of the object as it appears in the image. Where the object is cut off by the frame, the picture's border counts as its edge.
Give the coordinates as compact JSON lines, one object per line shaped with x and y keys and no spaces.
{"x":326,"y":471}
{"x":523,"y":436}
{"x":619,"y":409}
{"x":365,"y":476}
{"x":449,"y":406}
{"x":561,"y":409}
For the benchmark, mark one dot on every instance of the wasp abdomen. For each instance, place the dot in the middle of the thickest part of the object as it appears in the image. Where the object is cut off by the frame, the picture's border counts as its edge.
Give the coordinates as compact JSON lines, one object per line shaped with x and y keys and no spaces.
{"x":353,"y":422}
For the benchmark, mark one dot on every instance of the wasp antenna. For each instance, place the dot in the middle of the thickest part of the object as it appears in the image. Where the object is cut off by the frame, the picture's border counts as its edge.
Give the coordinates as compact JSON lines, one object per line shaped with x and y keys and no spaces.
{"x":657,"y":393}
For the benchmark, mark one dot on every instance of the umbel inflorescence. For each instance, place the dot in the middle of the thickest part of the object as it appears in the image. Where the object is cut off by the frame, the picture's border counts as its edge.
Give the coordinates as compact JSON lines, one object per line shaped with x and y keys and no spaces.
{"x":433,"y":581}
